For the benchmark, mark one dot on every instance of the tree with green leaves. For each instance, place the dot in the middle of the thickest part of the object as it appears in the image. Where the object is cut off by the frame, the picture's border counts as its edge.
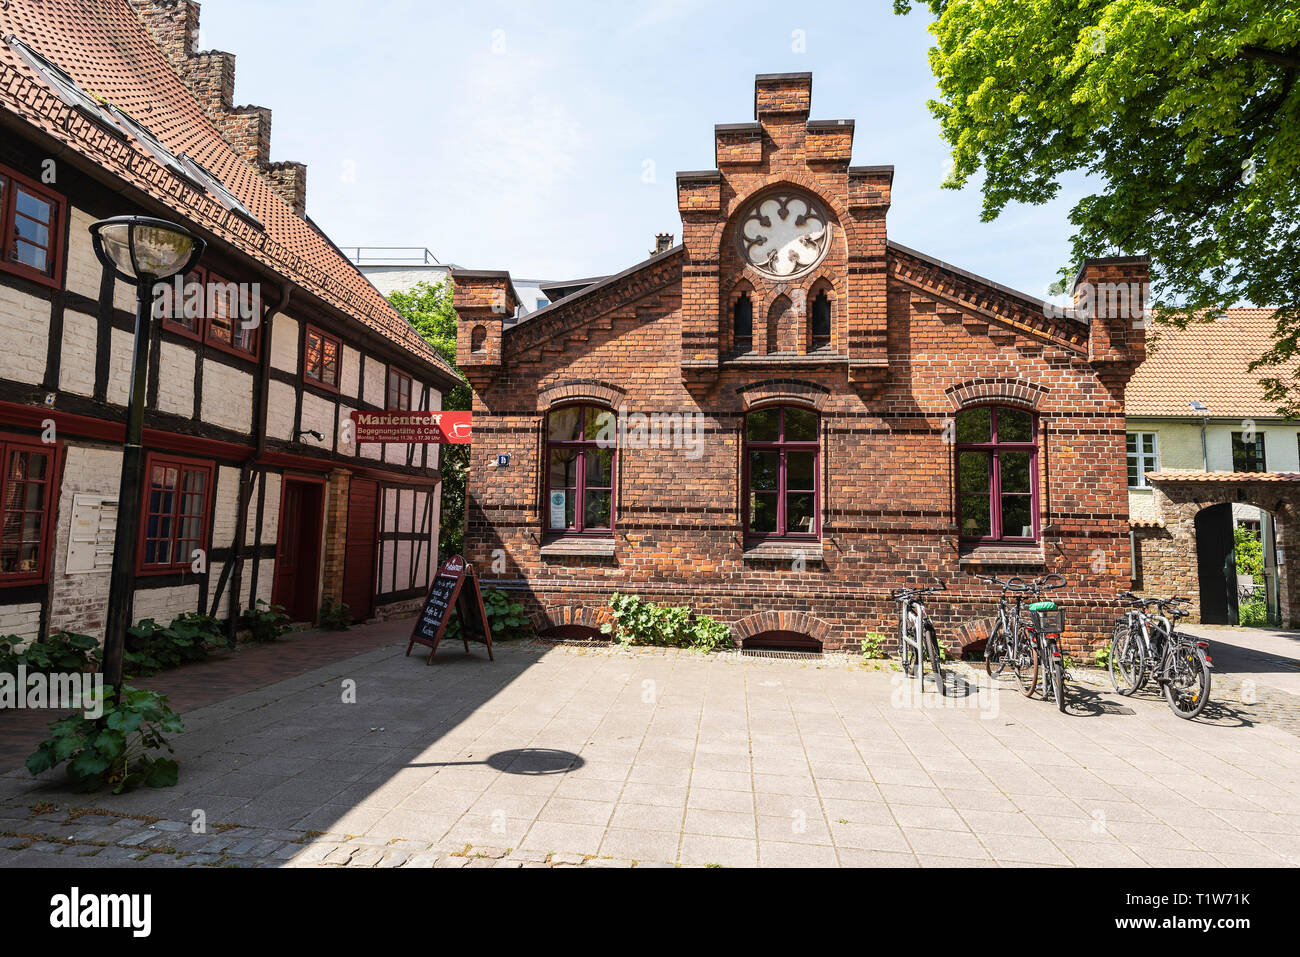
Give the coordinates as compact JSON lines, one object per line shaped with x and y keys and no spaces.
{"x":1184,"y":113}
{"x":427,"y":307}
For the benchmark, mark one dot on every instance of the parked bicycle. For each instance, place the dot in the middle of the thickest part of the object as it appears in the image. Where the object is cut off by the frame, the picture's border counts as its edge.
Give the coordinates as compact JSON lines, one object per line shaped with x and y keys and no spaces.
{"x":1043,"y":626}
{"x":917,"y":639}
{"x":1146,"y":645}
{"x":1005,"y":639}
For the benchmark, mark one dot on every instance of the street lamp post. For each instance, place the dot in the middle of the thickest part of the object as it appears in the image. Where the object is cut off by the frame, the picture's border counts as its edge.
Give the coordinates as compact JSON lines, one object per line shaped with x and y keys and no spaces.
{"x":141,"y":251}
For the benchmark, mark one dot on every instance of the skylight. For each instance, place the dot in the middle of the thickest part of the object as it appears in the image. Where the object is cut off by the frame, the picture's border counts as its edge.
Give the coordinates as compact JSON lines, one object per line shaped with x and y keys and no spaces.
{"x":63,"y":85}
{"x":218,"y":189}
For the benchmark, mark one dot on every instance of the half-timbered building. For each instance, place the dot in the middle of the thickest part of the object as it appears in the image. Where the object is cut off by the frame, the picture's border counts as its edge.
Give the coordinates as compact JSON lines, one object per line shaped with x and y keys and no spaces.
{"x":254,"y":486}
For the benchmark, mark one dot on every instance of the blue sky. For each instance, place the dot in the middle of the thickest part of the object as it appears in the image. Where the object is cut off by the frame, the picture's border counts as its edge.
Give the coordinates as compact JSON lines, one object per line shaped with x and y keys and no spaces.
{"x":544,"y":138}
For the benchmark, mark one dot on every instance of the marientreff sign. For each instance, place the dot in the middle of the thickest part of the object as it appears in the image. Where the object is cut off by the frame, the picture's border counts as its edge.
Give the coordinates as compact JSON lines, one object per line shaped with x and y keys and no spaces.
{"x":441,"y":428}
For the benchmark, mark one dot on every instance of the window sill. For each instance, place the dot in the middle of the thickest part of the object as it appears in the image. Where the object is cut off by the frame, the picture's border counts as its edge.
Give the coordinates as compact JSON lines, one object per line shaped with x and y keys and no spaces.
{"x":1030,"y":556}
{"x":579,"y":547}
{"x":787,"y":551}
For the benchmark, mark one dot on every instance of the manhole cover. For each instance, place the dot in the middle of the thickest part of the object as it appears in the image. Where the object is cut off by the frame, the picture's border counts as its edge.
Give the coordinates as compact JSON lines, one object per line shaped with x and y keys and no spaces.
{"x":1107,"y":708}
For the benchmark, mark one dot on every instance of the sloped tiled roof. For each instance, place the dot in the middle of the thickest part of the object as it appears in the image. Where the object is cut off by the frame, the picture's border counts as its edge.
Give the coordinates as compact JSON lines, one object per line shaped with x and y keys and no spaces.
{"x":104,"y":47}
{"x":1208,"y":362}
{"x":1192,"y":475}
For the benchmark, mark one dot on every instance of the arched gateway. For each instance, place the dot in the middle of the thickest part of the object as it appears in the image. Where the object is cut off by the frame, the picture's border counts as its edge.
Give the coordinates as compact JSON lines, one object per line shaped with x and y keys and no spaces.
{"x":1183,"y":551}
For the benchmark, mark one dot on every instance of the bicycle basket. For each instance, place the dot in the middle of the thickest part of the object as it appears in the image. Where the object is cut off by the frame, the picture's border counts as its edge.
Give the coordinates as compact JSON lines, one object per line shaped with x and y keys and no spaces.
{"x":1049,"y":622}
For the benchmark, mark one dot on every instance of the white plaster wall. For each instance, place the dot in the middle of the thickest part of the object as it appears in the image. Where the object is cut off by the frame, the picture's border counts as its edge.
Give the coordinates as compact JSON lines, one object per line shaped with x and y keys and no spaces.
{"x":77,"y":355}
{"x":164,"y":604}
{"x":374,"y":385}
{"x":177,"y":367}
{"x":20,"y":621}
{"x":227,"y":396}
{"x":348,"y":447}
{"x":318,"y":414}
{"x":24,"y":331}
{"x":284,"y":343}
{"x":119,"y":367}
{"x":226,"y":507}
{"x":279,"y":410}
{"x":350,"y":375}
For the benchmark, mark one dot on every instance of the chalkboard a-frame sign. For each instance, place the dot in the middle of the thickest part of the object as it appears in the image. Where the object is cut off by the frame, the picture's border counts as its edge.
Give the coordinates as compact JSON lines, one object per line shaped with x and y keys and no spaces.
{"x":454,"y":588}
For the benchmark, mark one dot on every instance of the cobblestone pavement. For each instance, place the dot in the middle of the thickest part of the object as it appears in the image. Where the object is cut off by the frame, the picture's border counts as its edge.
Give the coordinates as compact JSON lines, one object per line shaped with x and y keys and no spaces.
{"x":564,"y":756}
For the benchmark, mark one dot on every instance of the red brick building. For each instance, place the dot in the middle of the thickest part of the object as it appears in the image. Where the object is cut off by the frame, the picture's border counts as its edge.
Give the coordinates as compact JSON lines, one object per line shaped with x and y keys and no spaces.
{"x":788,"y":414}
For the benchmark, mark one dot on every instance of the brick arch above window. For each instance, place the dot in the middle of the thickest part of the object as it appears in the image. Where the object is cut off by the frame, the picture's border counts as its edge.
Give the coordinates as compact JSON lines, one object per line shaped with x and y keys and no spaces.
{"x":592,"y":391}
{"x":783,"y":392}
{"x":789,"y":621}
{"x":1003,"y":391}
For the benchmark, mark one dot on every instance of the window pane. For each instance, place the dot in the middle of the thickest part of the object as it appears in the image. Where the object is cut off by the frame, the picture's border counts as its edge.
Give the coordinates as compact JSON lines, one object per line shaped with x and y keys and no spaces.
{"x":1149,"y":443}
{"x":975,"y":516}
{"x":564,"y":424}
{"x":1015,"y":471}
{"x":800,"y":472}
{"x":596,"y":513}
{"x":1132,"y":438}
{"x":32,"y":206}
{"x":1015,"y":426}
{"x":743,"y":319}
{"x":564,"y":468}
{"x":1134,"y":475}
{"x":975,"y":425}
{"x":601,"y":425}
{"x":762,"y":426}
{"x":312,"y":358}
{"x":800,"y":425}
{"x":31,"y":230}
{"x":763,"y":470}
{"x":762,"y":513}
{"x":973,"y":469}
{"x":821,"y":317}
{"x":330,"y":362}
{"x":799,"y":513}
{"x":29,"y":255}
{"x":600,"y":468}
{"x":1017,"y":518}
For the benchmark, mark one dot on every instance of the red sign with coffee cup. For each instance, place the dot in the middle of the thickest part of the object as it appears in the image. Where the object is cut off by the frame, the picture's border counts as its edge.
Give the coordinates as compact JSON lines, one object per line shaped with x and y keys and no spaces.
{"x":408,"y":427}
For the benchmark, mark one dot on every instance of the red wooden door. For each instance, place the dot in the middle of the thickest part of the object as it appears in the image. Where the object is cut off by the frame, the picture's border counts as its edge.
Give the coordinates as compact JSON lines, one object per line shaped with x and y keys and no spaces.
{"x":359,"y":555}
{"x":297,"y":558}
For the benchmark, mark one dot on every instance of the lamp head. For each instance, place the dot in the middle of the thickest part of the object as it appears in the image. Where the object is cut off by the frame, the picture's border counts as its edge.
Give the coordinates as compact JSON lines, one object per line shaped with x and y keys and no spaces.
{"x":141,"y":249}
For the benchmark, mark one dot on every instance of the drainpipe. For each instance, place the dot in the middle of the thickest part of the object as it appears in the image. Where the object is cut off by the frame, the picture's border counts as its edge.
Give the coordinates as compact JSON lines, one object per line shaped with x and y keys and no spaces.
{"x":1205,"y":453}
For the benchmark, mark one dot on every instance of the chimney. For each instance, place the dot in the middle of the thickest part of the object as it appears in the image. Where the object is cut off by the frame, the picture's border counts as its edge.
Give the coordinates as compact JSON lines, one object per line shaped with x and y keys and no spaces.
{"x":210,"y":76}
{"x":663,"y":243}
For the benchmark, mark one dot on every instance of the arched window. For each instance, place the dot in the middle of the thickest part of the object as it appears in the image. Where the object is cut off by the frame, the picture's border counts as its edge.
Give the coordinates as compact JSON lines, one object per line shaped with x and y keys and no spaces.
{"x":581,"y":446}
{"x":997,"y":474}
{"x":742,"y":323}
{"x":819,"y":322}
{"x":782,"y":491}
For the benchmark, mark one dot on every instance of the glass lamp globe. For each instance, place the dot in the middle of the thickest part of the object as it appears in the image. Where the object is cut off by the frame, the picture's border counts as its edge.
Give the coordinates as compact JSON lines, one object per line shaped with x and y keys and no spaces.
{"x":140,"y":248}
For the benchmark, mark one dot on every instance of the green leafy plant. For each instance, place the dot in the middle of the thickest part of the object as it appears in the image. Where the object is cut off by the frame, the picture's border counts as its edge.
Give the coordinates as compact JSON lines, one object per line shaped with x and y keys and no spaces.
{"x":1102,"y":656}
{"x":61,"y":652}
{"x":505,"y":616}
{"x":335,"y":615}
{"x":114,"y":749}
{"x":264,"y":622}
{"x":151,"y":648}
{"x":873,"y":646}
{"x":1252,"y":612}
{"x":640,"y":622}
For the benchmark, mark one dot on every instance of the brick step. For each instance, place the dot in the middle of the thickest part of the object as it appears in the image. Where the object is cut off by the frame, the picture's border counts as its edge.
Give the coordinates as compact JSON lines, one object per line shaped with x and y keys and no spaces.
{"x":950,"y":317}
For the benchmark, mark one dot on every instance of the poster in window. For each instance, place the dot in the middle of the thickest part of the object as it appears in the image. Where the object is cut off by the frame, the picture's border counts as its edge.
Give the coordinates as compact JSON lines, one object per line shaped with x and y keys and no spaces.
{"x":557,"y":509}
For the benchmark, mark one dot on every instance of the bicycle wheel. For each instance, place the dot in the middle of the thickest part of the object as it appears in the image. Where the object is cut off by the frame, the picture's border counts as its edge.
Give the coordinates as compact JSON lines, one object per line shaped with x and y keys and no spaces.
{"x":995,"y":651}
{"x":1024,"y":662}
{"x":907,"y":653}
{"x":1058,"y":681}
{"x":936,"y":658}
{"x":1186,"y":680}
{"x":1127,"y":659}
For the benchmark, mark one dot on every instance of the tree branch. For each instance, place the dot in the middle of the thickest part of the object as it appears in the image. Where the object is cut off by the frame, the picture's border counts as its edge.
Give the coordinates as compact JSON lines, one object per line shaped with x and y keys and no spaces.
{"x":1288,"y":60}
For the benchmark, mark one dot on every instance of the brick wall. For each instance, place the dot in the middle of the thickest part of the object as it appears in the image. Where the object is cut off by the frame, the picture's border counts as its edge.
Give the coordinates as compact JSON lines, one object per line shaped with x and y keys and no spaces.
{"x":336,"y":529}
{"x":913,"y":341}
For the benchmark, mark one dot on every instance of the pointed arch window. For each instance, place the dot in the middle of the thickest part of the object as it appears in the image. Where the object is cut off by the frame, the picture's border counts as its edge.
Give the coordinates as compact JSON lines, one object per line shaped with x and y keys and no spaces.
{"x":819,"y":322}
{"x":742,"y":323}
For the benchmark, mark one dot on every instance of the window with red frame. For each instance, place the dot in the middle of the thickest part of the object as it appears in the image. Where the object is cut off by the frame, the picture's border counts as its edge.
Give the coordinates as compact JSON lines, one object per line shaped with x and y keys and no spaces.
{"x":997,"y":475}
{"x":30,"y":228}
{"x":175,"y":513}
{"x":26,"y":488}
{"x":399,"y":391}
{"x":782,"y":492}
{"x":222,"y":306}
{"x":320,"y":359}
{"x":581,"y":446}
